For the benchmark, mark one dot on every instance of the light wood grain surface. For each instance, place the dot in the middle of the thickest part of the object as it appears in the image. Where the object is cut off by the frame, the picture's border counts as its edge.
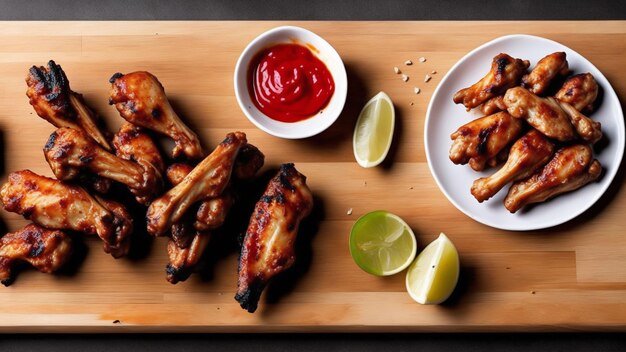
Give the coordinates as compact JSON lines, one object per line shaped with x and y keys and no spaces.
{"x":572,"y":277}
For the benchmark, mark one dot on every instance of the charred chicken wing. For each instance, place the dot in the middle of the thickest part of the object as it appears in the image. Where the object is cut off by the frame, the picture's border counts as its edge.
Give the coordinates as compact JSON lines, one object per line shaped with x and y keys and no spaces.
{"x":482,"y":139}
{"x":547,"y":69}
{"x":544,"y":114}
{"x":46,"y":250}
{"x":56,"y":205}
{"x":69,"y":151}
{"x":141,"y":100}
{"x":571,"y":168}
{"x":527,"y":155}
{"x":50,"y":95}
{"x":580,"y":91}
{"x":207,"y":180}
{"x":505,"y":73}
{"x":268,"y":246}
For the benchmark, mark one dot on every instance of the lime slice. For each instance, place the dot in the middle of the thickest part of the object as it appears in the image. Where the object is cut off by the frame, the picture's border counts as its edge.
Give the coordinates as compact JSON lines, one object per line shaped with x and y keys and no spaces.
{"x":434,"y":274}
{"x":374,"y":131}
{"x":382,"y":244}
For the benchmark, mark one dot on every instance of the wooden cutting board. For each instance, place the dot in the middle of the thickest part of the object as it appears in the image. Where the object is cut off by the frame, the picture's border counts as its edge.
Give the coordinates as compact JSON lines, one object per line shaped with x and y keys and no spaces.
{"x":567,"y":278}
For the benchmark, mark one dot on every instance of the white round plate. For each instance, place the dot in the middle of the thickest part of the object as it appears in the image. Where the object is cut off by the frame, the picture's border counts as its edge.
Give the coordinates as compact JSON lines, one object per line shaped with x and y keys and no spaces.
{"x":444,"y":117}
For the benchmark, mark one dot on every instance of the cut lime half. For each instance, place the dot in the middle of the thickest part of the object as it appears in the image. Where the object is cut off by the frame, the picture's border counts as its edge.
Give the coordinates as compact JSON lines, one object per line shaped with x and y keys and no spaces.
{"x":382,"y":244}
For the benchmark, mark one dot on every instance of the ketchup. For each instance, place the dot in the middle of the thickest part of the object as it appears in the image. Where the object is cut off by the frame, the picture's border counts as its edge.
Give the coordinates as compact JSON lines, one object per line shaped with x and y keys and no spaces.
{"x":288,"y":83}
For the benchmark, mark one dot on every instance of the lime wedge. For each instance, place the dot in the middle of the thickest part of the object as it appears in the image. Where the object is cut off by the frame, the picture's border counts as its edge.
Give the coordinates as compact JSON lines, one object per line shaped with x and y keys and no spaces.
{"x":434,"y":274}
{"x":374,"y":131}
{"x":382,"y":244}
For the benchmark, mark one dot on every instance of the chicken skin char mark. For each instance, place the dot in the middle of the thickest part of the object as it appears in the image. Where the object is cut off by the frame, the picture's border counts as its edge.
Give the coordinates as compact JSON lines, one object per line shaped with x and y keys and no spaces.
{"x":50,"y":95}
{"x":505,"y":73}
{"x":70,"y":151}
{"x":55,"y":205}
{"x":46,"y":250}
{"x":140,"y":99}
{"x":480,"y":141}
{"x":268,"y":246}
{"x":571,"y":168}
{"x":527,"y":154}
{"x":208,"y":179}
{"x":547,"y":69}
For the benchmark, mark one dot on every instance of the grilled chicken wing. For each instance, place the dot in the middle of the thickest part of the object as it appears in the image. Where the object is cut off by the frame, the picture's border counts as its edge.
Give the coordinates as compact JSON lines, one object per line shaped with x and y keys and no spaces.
{"x":183,"y":260}
{"x":188,"y":241}
{"x":482,"y":139}
{"x":571,"y":168}
{"x":141,"y":100}
{"x":207,"y":180}
{"x":133,"y":144}
{"x":527,"y":155}
{"x":580,"y":91}
{"x":493,"y":105}
{"x":547,"y":69}
{"x":544,"y":114}
{"x":69,"y":151}
{"x":50,"y":95}
{"x":589,"y":130}
{"x":505,"y":73}
{"x":56,"y":205}
{"x":268,"y":247}
{"x":46,"y":250}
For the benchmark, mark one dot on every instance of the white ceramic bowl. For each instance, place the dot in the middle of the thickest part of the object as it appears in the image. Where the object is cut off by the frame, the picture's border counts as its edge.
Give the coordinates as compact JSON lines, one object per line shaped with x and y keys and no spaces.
{"x":326,"y":53}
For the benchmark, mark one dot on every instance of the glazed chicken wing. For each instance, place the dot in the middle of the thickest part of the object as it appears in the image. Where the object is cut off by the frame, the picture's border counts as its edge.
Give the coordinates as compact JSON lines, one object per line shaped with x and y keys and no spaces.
{"x":580,"y":91}
{"x":589,"y":130}
{"x":481,"y":140}
{"x":268,"y":246}
{"x":53,"y":204}
{"x":505,"y":73}
{"x":183,"y":260}
{"x":188,"y":241}
{"x":141,"y":100}
{"x":133,"y":144}
{"x":544,"y":114}
{"x":571,"y":168}
{"x":207,"y":180}
{"x":50,"y":95}
{"x":46,"y":250}
{"x":493,"y":105}
{"x":527,"y":155}
{"x":547,"y":69}
{"x":70,"y":151}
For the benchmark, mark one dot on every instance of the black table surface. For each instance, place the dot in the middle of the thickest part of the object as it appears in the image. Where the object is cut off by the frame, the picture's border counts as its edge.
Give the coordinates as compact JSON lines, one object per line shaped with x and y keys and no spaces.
{"x":313,"y":10}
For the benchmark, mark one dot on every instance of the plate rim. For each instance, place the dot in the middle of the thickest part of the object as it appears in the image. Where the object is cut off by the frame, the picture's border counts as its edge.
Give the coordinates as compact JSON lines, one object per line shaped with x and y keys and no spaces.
{"x":532,"y":226}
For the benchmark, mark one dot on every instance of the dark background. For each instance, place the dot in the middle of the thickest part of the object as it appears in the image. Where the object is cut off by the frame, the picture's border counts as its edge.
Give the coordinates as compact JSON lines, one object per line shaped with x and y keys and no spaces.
{"x":314,"y":10}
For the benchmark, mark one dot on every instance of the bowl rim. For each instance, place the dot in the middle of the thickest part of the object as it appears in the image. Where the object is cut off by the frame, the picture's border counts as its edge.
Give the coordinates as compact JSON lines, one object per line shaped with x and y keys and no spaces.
{"x":241,"y":67}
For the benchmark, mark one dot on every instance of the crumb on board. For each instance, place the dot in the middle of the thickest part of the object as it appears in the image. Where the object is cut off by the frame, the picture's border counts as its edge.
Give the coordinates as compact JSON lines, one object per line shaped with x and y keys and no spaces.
{"x":408,"y":62}
{"x":405,"y":77}
{"x":396,"y":70}
{"x":416,"y":90}
{"x":117,"y":321}
{"x":422,"y":59}
{"x":349,"y":212}
{"x":427,"y":78}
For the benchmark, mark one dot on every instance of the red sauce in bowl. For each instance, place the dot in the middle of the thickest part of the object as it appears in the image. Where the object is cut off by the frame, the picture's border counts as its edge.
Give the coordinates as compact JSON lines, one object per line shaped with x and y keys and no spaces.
{"x":288,"y":83}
